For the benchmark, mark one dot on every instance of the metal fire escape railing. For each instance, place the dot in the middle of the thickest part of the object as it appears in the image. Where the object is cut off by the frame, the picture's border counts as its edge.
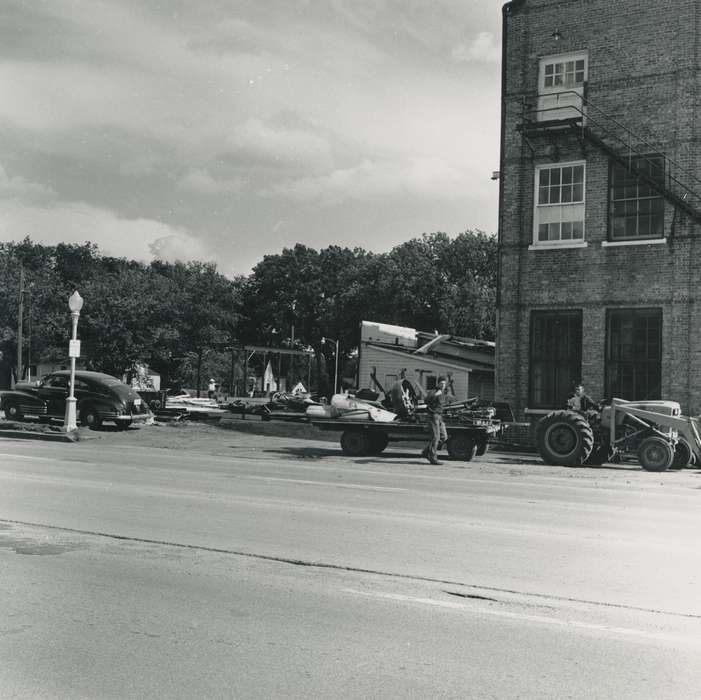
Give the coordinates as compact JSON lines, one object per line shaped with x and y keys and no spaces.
{"x":639,"y":156}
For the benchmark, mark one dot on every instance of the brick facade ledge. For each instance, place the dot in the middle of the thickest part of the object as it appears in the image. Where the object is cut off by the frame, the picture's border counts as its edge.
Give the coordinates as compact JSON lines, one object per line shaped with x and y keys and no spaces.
{"x":647,"y":241}
{"x":557,"y":246}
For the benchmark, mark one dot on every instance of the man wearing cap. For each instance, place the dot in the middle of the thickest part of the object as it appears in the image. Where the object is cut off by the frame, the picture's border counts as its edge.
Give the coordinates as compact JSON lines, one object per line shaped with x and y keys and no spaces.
{"x":436,"y":400}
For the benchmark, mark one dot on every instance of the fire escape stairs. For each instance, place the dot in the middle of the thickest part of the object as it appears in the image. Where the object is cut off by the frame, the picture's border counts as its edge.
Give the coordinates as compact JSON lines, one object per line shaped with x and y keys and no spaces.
{"x":677,"y":185}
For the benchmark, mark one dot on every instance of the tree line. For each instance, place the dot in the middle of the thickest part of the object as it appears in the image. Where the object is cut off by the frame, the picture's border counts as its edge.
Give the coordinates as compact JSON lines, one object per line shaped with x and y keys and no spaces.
{"x":188,"y":321}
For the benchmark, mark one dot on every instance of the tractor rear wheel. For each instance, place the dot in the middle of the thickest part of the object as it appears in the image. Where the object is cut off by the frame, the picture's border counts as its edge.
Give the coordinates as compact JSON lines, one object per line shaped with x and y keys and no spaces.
{"x":655,"y":454}
{"x":564,"y":438}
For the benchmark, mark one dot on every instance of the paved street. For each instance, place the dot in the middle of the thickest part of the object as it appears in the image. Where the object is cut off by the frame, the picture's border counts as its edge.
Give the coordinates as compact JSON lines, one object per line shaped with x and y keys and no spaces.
{"x":240,"y":565}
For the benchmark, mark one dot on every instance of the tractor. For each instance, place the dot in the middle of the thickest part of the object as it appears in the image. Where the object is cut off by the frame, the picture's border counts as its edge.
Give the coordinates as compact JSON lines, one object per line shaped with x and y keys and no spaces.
{"x":655,"y":431}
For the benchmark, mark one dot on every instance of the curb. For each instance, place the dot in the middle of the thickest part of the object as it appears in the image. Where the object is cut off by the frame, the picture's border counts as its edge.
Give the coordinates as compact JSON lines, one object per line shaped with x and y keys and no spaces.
{"x":47,"y":437}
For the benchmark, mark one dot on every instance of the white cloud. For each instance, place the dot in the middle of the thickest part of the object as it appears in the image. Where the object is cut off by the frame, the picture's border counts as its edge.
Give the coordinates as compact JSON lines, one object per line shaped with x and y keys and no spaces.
{"x":279,"y":144}
{"x":77,"y":222}
{"x":482,"y":49}
{"x":200,"y":180}
{"x":182,"y":247}
{"x":371,"y":180}
{"x":18,"y":187}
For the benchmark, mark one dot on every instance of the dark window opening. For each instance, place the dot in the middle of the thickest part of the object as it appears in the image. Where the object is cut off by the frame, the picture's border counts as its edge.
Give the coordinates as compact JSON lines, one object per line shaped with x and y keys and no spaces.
{"x":634,"y":354}
{"x":636,"y":208}
{"x":555,"y":357}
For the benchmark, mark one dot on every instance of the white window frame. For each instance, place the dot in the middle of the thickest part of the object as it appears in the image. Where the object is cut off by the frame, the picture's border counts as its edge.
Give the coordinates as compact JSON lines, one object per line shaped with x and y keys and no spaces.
{"x":559,"y":102}
{"x":562,"y":59}
{"x":555,"y":213}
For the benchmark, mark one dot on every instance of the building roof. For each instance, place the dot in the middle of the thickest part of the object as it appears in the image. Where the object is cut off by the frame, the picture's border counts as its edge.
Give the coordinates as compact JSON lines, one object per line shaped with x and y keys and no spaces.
{"x":473,"y":353}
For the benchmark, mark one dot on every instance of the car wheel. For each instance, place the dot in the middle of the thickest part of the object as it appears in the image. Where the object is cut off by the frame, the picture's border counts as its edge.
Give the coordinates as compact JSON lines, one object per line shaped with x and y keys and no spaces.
{"x":13,"y":411}
{"x":90,"y":418}
{"x":123,"y":424}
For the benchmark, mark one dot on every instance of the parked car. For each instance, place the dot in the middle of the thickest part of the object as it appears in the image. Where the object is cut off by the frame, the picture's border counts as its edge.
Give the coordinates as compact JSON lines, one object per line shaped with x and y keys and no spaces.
{"x":99,"y":398}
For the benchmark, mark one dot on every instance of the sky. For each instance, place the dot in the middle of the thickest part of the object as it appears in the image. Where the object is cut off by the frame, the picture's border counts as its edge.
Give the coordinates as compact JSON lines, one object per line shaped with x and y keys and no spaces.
{"x":226,"y":130}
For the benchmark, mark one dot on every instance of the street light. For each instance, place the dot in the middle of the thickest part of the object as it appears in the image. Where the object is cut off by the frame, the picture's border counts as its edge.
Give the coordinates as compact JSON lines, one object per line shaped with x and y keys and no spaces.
{"x":335,"y":376}
{"x":75,"y":304}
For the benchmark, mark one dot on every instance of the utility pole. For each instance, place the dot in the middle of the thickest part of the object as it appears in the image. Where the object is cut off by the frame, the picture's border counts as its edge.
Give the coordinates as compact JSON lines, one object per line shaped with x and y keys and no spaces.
{"x":20,"y":340}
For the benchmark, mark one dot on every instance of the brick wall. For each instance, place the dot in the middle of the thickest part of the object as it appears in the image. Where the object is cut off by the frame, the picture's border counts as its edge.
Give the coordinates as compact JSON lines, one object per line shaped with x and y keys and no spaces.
{"x":643,"y":69}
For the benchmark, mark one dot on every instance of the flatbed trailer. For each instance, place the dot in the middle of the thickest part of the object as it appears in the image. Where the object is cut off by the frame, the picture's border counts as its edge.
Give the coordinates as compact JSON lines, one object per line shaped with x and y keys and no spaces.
{"x":360,"y":437}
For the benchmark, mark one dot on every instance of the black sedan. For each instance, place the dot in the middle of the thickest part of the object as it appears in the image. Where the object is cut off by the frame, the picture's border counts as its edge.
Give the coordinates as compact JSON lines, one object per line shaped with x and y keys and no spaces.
{"x":99,"y":397}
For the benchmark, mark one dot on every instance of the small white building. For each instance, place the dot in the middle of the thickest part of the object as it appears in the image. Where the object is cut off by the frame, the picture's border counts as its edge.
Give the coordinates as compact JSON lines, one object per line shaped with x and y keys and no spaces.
{"x":385,"y":350}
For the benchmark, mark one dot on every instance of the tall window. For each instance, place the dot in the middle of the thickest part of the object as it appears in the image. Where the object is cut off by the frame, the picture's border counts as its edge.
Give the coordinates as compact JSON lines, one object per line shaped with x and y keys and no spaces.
{"x":559,"y":211}
{"x":633,"y":354}
{"x":561,"y":81}
{"x":555,"y":357}
{"x":637,"y":210}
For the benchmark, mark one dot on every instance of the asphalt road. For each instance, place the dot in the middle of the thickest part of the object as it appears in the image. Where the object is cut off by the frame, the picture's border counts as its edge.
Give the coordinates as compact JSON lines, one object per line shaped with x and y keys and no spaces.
{"x":231,"y":565}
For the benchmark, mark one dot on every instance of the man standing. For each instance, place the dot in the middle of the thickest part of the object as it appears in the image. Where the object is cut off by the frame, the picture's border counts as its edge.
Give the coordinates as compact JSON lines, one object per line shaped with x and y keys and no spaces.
{"x":436,"y":400}
{"x":7,"y":372}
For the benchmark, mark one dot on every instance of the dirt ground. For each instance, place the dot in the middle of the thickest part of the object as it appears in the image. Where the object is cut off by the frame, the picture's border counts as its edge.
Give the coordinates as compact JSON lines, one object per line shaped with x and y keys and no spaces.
{"x":203,"y":436}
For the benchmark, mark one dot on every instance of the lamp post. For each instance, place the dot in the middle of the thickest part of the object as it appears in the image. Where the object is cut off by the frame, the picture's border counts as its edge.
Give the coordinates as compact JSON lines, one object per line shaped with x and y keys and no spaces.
{"x":335,"y":376}
{"x":75,"y":304}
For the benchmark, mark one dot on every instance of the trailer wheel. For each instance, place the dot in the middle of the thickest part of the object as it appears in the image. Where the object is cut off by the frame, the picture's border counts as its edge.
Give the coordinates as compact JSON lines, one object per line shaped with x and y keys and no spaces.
{"x":378,"y":441}
{"x":682,"y":455}
{"x":355,"y":443}
{"x":462,"y":447}
{"x":564,"y":438}
{"x":482,"y":447}
{"x":655,"y":454}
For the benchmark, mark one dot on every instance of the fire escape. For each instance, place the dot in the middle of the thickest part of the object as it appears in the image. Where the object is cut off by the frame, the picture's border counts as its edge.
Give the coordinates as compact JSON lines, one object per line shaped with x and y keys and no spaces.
{"x":573,"y":114}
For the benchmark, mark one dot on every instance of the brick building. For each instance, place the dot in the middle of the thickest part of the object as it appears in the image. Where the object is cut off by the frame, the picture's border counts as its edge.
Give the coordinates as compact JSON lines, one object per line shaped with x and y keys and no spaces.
{"x":600,"y":220}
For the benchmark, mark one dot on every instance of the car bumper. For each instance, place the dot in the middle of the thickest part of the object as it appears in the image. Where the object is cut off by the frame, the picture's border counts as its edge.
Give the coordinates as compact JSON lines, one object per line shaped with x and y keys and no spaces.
{"x":134,"y":418}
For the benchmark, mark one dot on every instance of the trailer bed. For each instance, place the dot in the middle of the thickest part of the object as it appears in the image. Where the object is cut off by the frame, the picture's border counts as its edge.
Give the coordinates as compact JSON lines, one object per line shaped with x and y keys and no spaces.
{"x":360,"y":437}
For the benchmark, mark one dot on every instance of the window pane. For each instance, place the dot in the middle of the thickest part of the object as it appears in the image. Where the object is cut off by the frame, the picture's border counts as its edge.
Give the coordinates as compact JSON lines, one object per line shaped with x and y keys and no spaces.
{"x":543,"y":232}
{"x":555,"y":357}
{"x":569,"y":197}
{"x":633,"y":368}
{"x":635,"y":200}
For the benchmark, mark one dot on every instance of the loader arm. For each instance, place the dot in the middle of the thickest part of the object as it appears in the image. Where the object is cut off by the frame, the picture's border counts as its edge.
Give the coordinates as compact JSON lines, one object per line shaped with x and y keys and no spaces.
{"x":686,"y":427}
